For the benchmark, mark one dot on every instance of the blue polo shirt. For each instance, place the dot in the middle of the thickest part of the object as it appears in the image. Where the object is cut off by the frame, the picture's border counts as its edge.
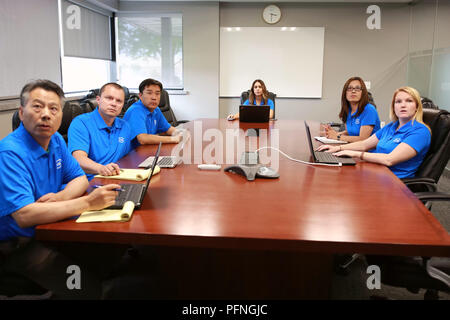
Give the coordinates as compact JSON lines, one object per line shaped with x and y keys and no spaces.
{"x":142,"y":120}
{"x":269,"y":103}
{"x":27,"y":172}
{"x":89,"y":132}
{"x":369,"y":117}
{"x":414,"y":134}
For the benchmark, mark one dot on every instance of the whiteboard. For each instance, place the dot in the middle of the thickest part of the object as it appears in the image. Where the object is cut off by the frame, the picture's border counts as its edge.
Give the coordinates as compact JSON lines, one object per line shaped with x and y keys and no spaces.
{"x":288,"y":59}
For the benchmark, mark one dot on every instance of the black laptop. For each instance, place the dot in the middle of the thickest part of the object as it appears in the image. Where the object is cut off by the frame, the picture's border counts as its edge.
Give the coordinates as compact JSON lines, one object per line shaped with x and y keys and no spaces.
{"x":135,"y":192}
{"x":326,"y":157}
{"x":251,"y":113}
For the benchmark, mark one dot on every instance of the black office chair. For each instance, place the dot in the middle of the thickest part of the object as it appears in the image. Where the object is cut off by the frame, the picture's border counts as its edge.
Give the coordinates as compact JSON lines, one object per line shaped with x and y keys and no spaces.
{"x":164,"y":106}
{"x":246,"y":94}
{"x":429,"y":172}
{"x":15,"y":120}
{"x":428,"y":103}
{"x":71,"y":110}
{"x":130,"y":98}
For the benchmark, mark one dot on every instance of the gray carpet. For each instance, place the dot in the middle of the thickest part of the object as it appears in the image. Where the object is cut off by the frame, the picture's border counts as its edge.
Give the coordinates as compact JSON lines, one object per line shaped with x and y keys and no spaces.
{"x":353,"y":286}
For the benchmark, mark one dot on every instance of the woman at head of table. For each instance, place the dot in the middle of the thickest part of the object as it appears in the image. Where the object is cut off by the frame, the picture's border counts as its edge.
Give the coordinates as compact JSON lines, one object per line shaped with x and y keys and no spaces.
{"x":258,"y":96}
{"x":400,"y":145}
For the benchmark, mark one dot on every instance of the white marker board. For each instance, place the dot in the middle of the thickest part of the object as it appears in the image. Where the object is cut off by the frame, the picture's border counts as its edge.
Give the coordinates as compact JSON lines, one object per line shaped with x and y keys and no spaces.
{"x":289,"y":60}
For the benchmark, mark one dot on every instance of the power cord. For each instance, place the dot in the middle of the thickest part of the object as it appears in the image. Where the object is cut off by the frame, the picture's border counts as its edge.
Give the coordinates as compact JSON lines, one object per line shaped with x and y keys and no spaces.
{"x":301,"y":161}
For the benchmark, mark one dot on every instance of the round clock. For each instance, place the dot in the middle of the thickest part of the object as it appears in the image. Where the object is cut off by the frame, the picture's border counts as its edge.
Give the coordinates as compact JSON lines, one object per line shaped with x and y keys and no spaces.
{"x":271,"y":14}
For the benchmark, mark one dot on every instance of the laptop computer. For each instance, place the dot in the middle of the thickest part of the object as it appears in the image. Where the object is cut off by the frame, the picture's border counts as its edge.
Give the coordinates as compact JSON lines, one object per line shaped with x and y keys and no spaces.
{"x":163,"y":162}
{"x":135,"y":192}
{"x":325,"y":157}
{"x":250,"y":113}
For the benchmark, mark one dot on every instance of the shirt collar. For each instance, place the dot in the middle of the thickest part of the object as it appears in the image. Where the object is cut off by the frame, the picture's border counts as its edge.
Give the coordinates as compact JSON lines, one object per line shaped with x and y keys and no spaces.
{"x":405,"y":127}
{"x":101,"y":123}
{"x":147,"y":110}
{"x":33,"y":146}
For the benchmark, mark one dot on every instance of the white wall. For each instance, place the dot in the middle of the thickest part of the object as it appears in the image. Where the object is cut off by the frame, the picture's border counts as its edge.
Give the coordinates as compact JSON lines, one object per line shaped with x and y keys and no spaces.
{"x":379,"y":56}
{"x":29,"y":43}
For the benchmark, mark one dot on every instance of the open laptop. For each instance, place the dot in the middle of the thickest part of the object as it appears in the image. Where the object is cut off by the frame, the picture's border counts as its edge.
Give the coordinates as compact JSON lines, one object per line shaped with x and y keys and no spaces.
{"x":326,"y":157}
{"x":166,"y":161}
{"x":135,"y":192}
{"x":163,"y":162}
{"x":250,"y":113}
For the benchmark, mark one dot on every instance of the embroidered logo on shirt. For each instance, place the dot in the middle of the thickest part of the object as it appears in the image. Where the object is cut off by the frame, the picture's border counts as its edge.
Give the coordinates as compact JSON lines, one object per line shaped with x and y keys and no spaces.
{"x":121,"y":140}
{"x":58,"y":164}
{"x":357,"y":121}
{"x":154,"y":121}
{"x":397,"y":140}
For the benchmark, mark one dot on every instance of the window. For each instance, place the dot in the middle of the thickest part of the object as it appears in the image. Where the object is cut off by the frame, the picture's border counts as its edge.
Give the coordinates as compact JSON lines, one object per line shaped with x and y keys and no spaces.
{"x":82,"y":74}
{"x":150,"y":46}
{"x":86,"y":58}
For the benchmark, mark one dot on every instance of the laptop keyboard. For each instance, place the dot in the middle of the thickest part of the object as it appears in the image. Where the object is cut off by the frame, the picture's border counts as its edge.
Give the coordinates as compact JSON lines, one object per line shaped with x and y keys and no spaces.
{"x":163,"y":162}
{"x":327,"y":157}
{"x":128,"y":189}
{"x":166,"y":161}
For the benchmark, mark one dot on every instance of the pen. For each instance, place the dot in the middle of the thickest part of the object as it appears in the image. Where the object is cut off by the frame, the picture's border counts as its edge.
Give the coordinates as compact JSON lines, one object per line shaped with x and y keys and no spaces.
{"x":95,"y":186}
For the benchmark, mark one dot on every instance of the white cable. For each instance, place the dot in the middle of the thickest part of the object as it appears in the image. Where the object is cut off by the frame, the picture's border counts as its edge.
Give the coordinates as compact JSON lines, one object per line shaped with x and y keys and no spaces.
{"x":301,"y":161}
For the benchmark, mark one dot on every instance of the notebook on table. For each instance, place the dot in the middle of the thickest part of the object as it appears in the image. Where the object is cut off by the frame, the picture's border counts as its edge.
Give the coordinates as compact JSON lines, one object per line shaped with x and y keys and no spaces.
{"x":135,"y":192}
{"x":251,"y":113}
{"x":325,"y":157}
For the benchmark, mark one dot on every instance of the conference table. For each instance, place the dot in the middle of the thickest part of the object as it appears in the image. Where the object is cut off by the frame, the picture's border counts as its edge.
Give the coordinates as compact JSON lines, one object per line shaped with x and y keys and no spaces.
{"x":217,"y":235}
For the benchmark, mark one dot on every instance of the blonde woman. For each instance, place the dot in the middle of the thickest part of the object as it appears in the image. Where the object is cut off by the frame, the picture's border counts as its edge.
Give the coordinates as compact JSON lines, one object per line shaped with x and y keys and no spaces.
{"x":402,"y":144}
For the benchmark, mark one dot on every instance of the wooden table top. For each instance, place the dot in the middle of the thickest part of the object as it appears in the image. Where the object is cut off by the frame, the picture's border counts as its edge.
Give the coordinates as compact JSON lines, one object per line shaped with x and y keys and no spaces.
{"x":363,"y":208}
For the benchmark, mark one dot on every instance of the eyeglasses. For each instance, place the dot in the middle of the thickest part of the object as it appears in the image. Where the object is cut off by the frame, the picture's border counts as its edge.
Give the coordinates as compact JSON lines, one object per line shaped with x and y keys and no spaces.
{"x":357,"y":89}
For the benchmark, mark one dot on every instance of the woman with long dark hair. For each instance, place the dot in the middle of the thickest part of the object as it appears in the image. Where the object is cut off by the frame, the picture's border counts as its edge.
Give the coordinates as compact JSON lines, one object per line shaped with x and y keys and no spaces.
{"x":360,"y":117}
{"x":258,"y":96}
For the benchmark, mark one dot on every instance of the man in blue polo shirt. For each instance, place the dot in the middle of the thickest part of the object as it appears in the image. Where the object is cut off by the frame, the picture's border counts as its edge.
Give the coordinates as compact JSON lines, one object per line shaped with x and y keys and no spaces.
{"x":148,"y":124}
{"x":99,"y":139}
{"x":34,"y":166}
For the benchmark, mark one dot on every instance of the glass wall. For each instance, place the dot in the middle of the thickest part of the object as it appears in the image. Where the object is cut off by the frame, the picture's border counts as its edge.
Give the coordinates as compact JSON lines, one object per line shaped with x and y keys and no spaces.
{"x":429,"y":51}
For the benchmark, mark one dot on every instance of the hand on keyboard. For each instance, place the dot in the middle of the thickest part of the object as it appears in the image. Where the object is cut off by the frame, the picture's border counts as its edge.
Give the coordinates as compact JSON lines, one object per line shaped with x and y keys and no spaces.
{"x":328,"y":148}
{"x":347,"y":154}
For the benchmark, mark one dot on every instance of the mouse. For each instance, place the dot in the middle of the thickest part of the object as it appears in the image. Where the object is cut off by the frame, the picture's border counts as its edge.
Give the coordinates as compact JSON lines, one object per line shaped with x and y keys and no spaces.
{"x":266,"y":172}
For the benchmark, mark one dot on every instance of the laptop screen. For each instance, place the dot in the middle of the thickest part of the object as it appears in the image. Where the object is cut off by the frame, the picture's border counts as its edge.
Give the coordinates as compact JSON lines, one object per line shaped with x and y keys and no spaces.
{"x":308,"y":134}
{"x":153,"y":168}
{"x":252,"y":113}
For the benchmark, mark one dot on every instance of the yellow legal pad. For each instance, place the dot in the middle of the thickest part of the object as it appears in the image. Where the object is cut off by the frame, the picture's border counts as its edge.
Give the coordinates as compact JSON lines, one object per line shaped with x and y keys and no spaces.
{"x":105,"y":215}
{"x":132,"y":174}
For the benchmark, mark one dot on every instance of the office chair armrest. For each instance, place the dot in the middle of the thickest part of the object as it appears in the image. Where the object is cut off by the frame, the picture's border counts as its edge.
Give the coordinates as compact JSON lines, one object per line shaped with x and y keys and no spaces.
{"x":182,"y":121}
{"x":433,"y":196}
{"x":429,"y":183}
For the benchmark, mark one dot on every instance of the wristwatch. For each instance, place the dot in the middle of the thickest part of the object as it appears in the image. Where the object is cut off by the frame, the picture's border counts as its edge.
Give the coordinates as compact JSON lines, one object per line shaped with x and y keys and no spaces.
{"x":339,"y":136}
